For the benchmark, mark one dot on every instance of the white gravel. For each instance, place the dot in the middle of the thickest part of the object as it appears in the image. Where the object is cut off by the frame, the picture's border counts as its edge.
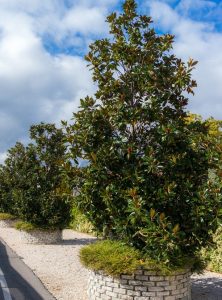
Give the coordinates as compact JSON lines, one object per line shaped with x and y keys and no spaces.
{"x":60,"y":270}
{"x":58,"y":265}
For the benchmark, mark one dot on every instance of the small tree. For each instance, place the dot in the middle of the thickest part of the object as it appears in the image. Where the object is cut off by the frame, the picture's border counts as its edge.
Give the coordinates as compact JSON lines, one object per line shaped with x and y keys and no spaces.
{"x":38,"y":187}
{"x":14,"y":178}
{"x":6,"y":205}
{"x":53,"y":192}
{"x":147,"y":180}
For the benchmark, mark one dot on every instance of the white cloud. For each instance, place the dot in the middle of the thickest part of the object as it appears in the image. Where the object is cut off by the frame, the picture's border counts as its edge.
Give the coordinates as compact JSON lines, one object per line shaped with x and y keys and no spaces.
{"x":36,"y":85}
{"x":185,"y":6}
{"x":199,"y":41}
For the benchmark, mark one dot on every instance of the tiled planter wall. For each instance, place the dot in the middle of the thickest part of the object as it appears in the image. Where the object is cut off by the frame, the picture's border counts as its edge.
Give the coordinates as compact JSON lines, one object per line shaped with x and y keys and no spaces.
{"x":41,"y":236}
{"x":143,"y":285}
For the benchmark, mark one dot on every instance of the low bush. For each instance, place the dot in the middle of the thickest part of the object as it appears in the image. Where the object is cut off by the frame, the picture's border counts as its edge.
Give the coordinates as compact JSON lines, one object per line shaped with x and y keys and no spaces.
{"x":115,"y":258}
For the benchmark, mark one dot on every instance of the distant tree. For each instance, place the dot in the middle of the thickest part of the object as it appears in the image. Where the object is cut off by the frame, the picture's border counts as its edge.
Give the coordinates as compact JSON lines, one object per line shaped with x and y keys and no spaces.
{"x":39,"y":190}
{"x":6,"y":205}
{"x":147,"y":181}
{"x":14,"y":177}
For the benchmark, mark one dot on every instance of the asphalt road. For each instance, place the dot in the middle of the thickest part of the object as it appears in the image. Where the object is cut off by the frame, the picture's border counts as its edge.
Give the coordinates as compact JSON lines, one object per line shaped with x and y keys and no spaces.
{"x":17,"y":281}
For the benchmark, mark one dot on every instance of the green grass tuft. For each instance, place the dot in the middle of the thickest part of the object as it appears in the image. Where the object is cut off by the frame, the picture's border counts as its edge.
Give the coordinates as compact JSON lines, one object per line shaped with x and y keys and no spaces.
{"x":5,"y":216}
{"x":26,"y":226}
{"x":115,"y":258}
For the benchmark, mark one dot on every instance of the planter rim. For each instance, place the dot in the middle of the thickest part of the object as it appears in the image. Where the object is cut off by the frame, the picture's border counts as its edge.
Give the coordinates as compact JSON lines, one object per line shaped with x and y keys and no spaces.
{"x":138,"y":270}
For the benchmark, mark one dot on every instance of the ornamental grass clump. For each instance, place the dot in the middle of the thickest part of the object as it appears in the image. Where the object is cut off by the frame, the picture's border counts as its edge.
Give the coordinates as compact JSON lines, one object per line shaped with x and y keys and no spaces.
{"x":115,"y":258}
{"x":6,"y":216}
{"x":147,"y":179}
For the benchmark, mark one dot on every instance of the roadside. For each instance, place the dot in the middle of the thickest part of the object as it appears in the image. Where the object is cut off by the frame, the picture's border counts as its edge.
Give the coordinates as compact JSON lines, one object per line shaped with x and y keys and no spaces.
{"x":57,"y":266}
{"x":17,"y":281}
{"x":60,"y":270}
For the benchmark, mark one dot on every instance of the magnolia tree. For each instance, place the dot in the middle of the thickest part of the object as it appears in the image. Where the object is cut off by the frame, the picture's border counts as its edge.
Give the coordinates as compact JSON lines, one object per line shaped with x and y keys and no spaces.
{"x":37,"y":183}
{"x":14,"y":178}
{"x":146,"y":181}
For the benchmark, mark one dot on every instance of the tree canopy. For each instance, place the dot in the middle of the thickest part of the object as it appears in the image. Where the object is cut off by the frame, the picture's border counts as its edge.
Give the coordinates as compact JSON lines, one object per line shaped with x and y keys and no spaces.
{"x":147,"y":181}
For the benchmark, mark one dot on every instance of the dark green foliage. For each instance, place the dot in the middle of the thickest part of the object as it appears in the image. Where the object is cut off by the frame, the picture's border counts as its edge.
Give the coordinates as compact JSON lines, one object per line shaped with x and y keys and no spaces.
{"x":147,"y":179}
{"x":6,"y":205}
{"x":12,"y":178}
{"x":38,"y":188}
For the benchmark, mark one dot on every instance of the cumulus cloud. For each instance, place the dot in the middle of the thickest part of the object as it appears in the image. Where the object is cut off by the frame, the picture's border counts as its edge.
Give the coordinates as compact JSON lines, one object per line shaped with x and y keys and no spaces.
{"x":199,"y":40}
{"x":36,"y":84}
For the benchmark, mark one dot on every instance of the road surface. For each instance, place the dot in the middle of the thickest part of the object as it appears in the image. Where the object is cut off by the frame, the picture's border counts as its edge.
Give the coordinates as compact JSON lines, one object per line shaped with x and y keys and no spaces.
{"x":17,"y":281}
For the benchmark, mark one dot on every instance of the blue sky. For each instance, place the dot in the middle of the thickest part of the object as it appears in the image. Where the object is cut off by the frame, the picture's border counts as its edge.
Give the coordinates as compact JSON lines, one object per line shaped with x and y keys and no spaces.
{"x":42,"y":44}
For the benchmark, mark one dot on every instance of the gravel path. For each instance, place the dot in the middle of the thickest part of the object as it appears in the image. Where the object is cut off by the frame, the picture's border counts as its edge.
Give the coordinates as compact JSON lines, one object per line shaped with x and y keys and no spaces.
{"x":58,"y":265}
{"x":60,"y":270}
{"x":207,"y":286}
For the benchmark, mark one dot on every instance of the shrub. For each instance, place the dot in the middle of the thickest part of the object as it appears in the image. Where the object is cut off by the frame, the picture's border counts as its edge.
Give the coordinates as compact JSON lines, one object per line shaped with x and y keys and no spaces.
{"x":79,"y":222}
{"x":6,"y":197}
{"x":39,"y":190}
{"x":147,"y":179}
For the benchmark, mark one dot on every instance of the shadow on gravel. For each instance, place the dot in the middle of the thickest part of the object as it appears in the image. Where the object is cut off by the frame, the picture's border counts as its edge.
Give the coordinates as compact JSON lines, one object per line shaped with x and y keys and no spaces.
{"x":209,"y":288}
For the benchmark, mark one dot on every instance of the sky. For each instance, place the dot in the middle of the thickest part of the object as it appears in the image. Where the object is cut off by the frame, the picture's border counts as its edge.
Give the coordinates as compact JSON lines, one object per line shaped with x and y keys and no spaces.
{"x":43,"y":74}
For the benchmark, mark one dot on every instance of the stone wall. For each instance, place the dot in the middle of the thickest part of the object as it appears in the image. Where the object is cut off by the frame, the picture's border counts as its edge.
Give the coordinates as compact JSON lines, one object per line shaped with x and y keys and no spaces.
{"x":143,"y":285}
{"x":41,"y":236}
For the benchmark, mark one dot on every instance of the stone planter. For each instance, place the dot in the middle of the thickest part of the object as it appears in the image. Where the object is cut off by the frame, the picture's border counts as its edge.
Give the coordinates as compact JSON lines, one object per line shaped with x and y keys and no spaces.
{"x":7,"y":223}
{"x":41,"y":236}
{"x":142,"y":285}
